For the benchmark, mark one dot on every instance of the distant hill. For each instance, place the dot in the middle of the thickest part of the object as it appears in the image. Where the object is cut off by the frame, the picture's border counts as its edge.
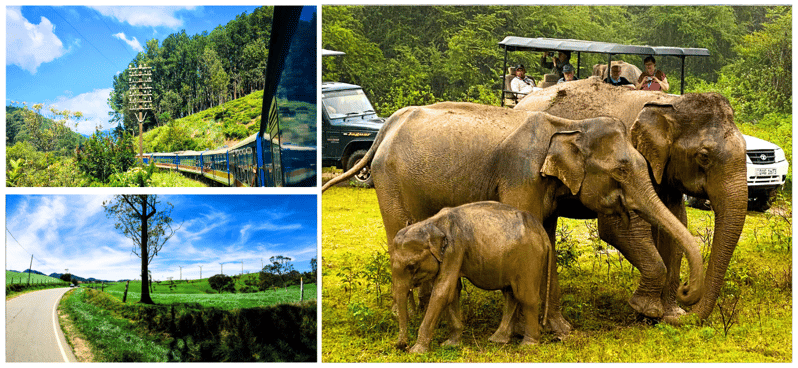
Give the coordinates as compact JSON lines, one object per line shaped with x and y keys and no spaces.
{"x":34,"y":271}
{"x":81,"y":279}
{"x":13,"y":277}
{"x":16,"y":131}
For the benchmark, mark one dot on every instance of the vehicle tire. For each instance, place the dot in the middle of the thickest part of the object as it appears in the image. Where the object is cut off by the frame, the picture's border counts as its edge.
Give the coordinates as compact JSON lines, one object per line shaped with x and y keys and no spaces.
{"x":363,"y":177}
{"x":698,"y":203}
{"x":760,"y":203}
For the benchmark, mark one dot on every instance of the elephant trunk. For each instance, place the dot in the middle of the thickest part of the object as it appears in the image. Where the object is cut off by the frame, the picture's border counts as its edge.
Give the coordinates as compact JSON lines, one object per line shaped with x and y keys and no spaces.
{"x":656,"y":213}
{"x":729,"y":203}
{"x":400,"y":292}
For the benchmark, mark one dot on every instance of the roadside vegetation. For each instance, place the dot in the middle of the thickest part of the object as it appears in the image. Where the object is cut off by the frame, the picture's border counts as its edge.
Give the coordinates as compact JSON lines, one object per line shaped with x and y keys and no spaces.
{"x":751,"y":323}
{"x":192,"y":322}
{"x":20,"y":283}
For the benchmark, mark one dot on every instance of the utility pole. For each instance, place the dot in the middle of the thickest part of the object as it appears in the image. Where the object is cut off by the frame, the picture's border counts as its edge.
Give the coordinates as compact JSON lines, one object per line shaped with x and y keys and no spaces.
{"x":221,"y":266}
{"x":30,"y":268}
{"x":200,"y":272}
{"x":140,"y":97}
{"x":242,"y":267}
{"x":181,"y":272}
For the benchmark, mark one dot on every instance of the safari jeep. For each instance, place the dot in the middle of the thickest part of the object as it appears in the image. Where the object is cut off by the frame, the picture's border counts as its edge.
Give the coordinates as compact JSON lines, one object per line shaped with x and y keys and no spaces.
{"x":767,"y":171}
{"x":349,"y":126}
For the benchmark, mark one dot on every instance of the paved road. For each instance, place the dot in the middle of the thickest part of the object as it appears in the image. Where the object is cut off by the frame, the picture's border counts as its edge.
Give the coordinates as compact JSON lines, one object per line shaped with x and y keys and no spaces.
{"x":32,"y":330}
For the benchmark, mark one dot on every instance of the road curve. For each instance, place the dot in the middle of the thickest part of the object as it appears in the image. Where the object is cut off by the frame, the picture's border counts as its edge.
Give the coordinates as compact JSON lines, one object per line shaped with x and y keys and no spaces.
{"x":33,"y":333}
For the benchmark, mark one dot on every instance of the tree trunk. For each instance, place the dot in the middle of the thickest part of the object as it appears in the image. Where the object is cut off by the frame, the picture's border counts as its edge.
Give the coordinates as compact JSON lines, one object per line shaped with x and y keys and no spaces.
{"x":145,"y":280}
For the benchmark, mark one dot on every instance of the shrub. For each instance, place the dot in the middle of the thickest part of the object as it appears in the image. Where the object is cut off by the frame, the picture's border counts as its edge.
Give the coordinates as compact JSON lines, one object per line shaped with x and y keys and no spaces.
{"x":101,"y":156}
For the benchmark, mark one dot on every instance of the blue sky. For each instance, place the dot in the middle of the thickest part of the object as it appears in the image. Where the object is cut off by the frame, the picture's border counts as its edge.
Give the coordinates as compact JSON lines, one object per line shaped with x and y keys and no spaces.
{"x":72,"y":231}
{"x":66,"y":56}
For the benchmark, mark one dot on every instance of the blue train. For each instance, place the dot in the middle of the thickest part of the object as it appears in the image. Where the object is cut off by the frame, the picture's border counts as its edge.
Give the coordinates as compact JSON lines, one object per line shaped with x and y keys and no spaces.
{"x":238,"y":165}
{"x":283,"y":152}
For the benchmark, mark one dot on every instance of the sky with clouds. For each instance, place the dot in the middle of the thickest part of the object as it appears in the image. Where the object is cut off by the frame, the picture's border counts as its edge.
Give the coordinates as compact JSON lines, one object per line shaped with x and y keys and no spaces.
{"x":72,"y":232}
{"x":67,"y":56}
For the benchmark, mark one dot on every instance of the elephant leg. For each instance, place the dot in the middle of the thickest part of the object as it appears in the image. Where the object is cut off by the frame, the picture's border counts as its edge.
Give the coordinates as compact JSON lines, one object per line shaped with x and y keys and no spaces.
{"x":672,"y":256}
{"x":635,"y":243}
{"x":504,"y":332}
{"x":455,"y":318}
{"x":442,"y":295}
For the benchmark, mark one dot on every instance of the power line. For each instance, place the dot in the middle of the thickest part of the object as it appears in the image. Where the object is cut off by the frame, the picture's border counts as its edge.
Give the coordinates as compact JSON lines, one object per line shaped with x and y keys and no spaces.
{"x":20,"y":245}
{"x":118,"y":39}
{"x":81,"y":35}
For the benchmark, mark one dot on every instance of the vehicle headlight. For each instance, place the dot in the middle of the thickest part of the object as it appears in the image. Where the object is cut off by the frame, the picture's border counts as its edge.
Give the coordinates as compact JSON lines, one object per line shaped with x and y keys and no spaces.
{"x":780,"y":155}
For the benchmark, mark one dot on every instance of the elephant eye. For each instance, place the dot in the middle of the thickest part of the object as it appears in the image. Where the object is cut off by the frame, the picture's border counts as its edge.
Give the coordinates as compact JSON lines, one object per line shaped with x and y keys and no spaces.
{"x":702,"y":157}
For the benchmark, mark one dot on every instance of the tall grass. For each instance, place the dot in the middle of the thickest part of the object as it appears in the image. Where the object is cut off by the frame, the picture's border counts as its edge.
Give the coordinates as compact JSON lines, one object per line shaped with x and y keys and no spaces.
{"x":596,"y":282}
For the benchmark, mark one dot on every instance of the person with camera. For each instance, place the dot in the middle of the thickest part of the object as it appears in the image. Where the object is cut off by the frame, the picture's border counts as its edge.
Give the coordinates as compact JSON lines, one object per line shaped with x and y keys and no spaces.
{"x":557,"y":62}
{"x":652,"y":79}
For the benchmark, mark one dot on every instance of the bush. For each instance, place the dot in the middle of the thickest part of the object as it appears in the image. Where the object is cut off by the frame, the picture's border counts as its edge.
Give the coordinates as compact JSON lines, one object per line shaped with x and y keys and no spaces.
{"x":101,"y":156}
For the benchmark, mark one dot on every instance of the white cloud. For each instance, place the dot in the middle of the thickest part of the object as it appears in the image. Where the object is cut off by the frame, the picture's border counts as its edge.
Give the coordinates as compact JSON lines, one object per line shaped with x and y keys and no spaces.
{"x":150,"y":16}
{"x":134,"y":43}
{"x":93,"y":105}
{"x":29,"y":45}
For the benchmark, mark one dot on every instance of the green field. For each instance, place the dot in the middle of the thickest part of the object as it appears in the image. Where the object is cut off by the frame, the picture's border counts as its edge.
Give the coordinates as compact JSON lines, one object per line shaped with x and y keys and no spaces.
{"x":199,"y":291}
{"x":752,"y":322}
{"x":22,"y":278}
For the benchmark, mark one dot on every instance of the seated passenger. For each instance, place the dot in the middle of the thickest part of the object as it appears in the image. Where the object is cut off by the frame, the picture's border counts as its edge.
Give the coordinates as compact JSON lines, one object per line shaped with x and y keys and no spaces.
{"x":521,"y":84}
{"x":567,"y":74}
{"x":652,"y":79}
{"x":616,"y":79}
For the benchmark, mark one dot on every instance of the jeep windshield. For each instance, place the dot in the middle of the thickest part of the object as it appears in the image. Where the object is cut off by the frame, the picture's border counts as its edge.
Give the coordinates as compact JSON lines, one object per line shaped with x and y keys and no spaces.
{"x":351,"y":102}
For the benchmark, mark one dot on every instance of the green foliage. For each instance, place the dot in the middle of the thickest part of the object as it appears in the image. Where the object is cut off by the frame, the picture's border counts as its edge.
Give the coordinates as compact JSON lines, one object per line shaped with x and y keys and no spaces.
{"x":27,"y":167}
{"x":101,"y":157}
{"x":137,"y":176}
{"x":47,"y":133}
{"x":222,"y":283}
{"x":595,"y":288}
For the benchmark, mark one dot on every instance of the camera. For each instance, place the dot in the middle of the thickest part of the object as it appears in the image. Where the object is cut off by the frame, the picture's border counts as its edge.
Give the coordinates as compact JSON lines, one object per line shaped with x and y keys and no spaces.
{"x":650,"y":79}
{"x":551,"y":53}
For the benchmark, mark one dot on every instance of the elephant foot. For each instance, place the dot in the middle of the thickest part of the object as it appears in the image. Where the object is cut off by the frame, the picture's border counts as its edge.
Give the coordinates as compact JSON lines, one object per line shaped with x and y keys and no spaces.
{"x":527,"y":341}
{"x":452,"y":341}
{"x":674,"y":311}
{"x":647,"y":306}
{"x":500,"y":337}
{"x":401,"y":344}
{"x":558,"y":325}
{"x":419,"y":349}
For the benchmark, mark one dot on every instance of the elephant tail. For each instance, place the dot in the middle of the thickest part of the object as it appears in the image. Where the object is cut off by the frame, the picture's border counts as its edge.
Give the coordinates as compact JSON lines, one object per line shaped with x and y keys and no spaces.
{"x":551,"y":267}
{"x":366,"y":160}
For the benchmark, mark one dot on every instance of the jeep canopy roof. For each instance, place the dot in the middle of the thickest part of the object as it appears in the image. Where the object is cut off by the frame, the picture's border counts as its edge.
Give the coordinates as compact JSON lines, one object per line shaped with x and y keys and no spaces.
{"x":513,"y":43}
{"x":331,"y":53}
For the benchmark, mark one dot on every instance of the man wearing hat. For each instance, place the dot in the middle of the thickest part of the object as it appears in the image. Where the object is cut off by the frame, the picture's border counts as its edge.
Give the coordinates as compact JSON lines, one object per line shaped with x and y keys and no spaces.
{"x":567,"y":74}
{"x":521,"y":84}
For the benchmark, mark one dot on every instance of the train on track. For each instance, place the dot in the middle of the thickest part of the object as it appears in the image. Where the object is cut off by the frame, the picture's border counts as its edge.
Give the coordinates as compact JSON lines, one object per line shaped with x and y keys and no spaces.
{"x":283,"y":151}
{"x":249,"y":163}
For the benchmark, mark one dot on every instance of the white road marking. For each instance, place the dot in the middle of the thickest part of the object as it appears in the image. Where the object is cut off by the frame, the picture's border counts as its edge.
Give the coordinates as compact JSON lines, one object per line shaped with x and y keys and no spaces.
{"x":55,"y":329}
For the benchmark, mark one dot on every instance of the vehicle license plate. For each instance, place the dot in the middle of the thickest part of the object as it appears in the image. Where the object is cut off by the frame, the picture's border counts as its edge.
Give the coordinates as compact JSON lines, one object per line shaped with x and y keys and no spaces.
{"x":765,"y":172}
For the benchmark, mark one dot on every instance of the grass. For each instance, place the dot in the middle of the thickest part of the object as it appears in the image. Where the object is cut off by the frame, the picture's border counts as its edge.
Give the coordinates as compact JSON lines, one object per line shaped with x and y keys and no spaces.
{"x":200,"y":291}
{"x":359,"y":326}
{"x":22,"y":278}
{"x":112,"y":338}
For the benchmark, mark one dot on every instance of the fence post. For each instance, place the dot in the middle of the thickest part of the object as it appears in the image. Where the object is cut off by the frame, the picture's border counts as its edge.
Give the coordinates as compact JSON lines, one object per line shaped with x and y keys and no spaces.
{"x":124,"y":298}
{"x":301,"y":291}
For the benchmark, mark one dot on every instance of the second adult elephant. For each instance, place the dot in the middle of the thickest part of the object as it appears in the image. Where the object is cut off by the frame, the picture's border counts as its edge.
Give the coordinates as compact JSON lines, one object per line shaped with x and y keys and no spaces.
{"x":693,"y":147}
{"x":449,"y":154}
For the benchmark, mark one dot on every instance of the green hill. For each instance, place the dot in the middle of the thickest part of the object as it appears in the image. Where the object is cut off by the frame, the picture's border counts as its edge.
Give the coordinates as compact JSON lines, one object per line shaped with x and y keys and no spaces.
{"x":22,"y":278}
{"x":209,"y":129}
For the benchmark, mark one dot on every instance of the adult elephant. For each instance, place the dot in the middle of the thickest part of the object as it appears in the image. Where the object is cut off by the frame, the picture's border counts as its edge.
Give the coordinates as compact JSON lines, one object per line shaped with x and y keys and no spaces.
{"x":449,"y":154}
{"x":693,"y":147}
{"x":628,"y":71}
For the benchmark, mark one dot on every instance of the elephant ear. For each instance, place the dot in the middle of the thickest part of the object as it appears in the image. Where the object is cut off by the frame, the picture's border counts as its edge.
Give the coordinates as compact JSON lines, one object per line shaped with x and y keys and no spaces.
{"x":652,"y":136}
{"x":565,"y":160}
{"x":437,"y":241}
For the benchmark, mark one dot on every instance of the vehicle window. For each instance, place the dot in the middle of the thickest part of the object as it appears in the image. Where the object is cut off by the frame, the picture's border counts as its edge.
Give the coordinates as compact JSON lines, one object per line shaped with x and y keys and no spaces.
{"x":347,"y":103}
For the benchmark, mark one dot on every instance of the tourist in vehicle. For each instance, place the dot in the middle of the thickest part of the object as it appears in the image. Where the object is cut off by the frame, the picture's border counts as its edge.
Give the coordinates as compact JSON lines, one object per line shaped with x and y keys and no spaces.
{"x":521,"y":84}
{"x":616,"y":79}
{"x":567,"y":74}
{"x":652,"y":79}
{"x":557,"y":62}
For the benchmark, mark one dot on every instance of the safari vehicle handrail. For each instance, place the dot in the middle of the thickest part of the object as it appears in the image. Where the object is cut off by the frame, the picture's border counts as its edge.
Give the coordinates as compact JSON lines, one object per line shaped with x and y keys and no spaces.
{"x":514,"y":43}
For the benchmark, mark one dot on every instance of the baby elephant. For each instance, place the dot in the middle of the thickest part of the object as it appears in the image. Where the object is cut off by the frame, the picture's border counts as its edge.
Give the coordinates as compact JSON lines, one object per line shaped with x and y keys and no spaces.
{"x":495,"y":246}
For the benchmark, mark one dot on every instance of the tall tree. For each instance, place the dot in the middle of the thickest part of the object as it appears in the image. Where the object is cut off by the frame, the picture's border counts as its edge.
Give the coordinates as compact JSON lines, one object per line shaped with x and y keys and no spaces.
{"x":144,"y":220}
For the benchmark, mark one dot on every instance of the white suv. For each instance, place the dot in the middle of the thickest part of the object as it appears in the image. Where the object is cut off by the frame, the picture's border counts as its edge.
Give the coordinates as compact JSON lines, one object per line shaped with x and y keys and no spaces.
{"x":767,"y":171}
